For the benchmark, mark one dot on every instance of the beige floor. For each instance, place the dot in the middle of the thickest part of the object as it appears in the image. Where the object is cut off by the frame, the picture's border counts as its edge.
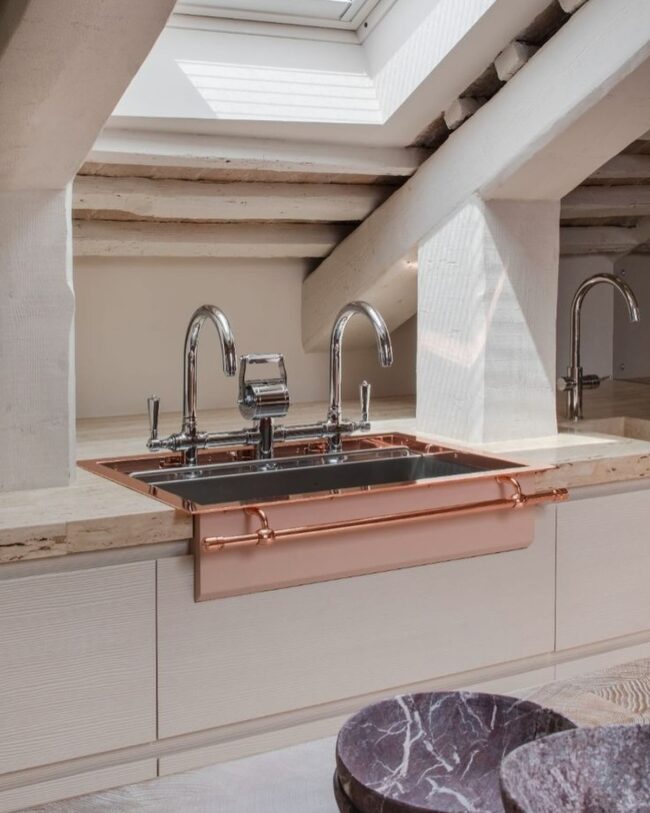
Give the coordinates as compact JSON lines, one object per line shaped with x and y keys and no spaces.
{"x":298,"y":779}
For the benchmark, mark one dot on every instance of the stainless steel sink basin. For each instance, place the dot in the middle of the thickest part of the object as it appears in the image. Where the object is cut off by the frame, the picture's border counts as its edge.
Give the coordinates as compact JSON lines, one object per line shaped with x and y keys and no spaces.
{"x":234,"y":476}
{"x":265,"y":480}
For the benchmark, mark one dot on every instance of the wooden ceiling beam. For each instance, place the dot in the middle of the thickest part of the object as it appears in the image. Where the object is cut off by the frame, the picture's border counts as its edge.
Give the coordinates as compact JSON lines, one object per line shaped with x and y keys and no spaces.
{"x":95,"y":238}
{"x":196,"y":200}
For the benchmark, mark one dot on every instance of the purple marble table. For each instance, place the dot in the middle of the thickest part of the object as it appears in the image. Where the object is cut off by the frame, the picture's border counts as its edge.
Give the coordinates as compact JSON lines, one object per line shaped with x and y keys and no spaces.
{"x":437,"y":752}
{"x":590,"y":770}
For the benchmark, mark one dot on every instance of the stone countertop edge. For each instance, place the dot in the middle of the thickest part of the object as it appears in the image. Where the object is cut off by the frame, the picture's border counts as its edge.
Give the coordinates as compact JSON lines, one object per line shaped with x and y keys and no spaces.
{"x":94,"y":514}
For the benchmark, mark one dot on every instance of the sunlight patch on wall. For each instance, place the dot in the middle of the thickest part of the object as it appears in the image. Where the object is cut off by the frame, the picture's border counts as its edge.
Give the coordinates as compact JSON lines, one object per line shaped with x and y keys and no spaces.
{"x":286,"y":94}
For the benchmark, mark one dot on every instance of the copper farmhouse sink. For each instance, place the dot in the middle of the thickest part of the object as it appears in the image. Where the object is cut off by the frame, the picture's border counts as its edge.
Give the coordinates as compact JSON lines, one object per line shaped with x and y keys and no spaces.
{"x":309,"y":514}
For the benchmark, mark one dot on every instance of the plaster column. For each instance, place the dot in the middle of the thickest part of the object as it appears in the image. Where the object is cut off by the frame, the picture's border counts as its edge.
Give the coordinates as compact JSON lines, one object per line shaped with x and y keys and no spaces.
{"x":487,"y":302}
{"x":36,"y":340}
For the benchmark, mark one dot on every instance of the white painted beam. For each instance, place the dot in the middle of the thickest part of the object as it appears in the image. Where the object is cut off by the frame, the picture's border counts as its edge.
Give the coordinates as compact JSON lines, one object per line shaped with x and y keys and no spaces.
{"x":624,"y":167}
{"x":459,"y":111}
{"x":524,"y":143}
{"x":120,"y":147}
{"x":64,"y":65}
{"x":37,"y":397}
{"x":196,"y":200}
{"x":487,"y":295}
{"x":512,"y":59}
{"x":641,"y":236}
{"x":597,"y":240}
{"x":97,"y":238}
{"x":607,"y":201}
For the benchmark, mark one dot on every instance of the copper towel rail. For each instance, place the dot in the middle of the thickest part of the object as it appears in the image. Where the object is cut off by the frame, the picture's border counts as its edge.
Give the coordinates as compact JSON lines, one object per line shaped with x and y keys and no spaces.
{"x":265,"y":535}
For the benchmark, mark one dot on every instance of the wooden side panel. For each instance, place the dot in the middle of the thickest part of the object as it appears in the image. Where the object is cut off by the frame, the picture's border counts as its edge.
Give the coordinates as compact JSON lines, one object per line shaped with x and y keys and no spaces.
{"x":250,"y":656}
{"x":78,"y":664}
{"x":68,"y":786}
{"x":603,"y":568}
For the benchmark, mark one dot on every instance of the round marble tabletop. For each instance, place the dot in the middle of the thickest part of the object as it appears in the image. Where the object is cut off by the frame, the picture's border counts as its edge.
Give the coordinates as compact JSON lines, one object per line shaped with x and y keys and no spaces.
{"x":436,"y":752}
{"x":590,"y":770}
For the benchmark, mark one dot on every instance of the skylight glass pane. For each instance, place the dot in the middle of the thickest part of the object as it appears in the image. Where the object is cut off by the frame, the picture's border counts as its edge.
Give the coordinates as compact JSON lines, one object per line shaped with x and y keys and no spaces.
{"x":319,"y":9}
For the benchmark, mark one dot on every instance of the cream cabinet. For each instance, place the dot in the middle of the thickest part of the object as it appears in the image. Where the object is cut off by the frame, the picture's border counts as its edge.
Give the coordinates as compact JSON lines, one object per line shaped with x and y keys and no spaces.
{"x":251,"y":656}
{"x":77,"y":664}
{"x":603,"y":568}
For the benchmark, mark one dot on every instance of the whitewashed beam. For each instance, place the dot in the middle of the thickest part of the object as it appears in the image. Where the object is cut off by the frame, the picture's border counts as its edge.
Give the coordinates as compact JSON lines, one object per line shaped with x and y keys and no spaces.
{"x":36,"y":359}
{"x":97,"y":238}
{"x":597,"y":240}
{"x":120,"y":147}
{"x":641,"y":237}
{"x":607,"y":201}
{"x":487,"y":295}
{"x":197,"y":200}
{"x":512,"y":59}
{"x":624,"y":167}
{"x":524,"y":143}
{"x":64,"y":65}
{"x":459,"y":111}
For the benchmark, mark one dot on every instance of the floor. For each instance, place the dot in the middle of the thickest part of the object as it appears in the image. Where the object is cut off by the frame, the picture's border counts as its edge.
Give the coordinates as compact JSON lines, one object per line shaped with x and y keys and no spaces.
{"x":298,"y":779}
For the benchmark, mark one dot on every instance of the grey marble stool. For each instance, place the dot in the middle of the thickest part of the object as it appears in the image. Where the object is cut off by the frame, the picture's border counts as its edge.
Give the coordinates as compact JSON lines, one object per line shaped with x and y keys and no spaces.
{"x":590,"y":770}
{"x":434,"y":752}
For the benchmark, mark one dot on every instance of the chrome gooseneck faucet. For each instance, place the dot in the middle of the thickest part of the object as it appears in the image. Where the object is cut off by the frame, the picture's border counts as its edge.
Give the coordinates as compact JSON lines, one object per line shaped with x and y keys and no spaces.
{"x":264,"y":399}
{"x":189,"y":439}
{"x":575,"y":381}
{"x":384,"y":348}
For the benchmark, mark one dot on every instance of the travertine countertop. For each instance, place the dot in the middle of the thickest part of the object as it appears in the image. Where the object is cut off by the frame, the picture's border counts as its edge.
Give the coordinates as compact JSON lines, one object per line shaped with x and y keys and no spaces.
{"x":94,"y":514}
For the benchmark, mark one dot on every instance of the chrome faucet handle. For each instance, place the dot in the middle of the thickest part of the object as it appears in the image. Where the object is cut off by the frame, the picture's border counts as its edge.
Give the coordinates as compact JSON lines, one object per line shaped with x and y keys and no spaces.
{"x":153,"y":408}
{"x":364,"y":393}
{"x":565,"y":383}
{"x":592,"y":382}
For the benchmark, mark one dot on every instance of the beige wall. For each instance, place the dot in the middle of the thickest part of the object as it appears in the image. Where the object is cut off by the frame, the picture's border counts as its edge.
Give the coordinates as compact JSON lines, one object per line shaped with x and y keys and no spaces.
{"x":131,"y":319}
{"x":632,"y":342}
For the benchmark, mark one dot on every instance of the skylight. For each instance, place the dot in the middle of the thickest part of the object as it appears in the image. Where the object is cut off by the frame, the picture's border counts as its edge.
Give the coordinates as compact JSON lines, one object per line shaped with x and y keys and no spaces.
{"x":348,"y":13}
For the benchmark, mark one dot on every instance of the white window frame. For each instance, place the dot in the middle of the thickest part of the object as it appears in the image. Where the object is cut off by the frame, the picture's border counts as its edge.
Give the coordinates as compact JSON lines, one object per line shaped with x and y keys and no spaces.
{"x":351,"y":16}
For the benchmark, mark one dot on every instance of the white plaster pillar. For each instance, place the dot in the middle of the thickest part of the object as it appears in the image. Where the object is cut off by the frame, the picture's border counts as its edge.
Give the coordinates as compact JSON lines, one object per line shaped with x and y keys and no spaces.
{"x":37,"y":395}
{"x":487,"y":302}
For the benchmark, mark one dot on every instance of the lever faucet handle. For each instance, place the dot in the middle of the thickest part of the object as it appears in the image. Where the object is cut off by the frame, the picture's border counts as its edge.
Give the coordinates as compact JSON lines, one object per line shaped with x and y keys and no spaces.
{"x":364,"y":393}
{"x":153,"y":408}
{"x":592,"y":382}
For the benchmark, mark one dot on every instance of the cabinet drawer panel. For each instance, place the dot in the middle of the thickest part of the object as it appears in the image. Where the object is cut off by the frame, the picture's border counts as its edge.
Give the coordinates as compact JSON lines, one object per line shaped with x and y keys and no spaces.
{"x":603,"y":568}
{"x":77,"y":664}
{"x":251,"y":656}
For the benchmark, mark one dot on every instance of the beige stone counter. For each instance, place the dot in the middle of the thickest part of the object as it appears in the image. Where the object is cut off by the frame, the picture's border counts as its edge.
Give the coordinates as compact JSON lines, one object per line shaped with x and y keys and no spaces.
{"x":94,"y":514}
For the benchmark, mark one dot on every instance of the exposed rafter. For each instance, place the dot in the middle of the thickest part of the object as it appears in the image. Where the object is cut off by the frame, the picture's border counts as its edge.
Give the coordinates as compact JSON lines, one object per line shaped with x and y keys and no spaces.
{"x":94,"y":238}
{"x":142,"y":198}
{"x":607,"y":201}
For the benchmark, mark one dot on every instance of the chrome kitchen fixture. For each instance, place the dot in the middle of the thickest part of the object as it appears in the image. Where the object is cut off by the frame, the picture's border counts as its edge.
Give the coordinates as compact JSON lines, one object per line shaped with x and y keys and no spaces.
{"x":385,"y":349}
{"x":575,"y":380}
{"x":262,"y":400}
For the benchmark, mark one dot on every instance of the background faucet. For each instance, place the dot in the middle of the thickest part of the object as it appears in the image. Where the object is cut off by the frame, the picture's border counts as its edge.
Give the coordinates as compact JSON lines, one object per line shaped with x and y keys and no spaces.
{"x":384,"y":348}
{"x":575,"y":381}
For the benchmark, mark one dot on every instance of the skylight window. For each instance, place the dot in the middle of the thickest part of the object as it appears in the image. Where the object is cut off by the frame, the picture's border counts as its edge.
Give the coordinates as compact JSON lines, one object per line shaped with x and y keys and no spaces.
{"x":350,"y":13}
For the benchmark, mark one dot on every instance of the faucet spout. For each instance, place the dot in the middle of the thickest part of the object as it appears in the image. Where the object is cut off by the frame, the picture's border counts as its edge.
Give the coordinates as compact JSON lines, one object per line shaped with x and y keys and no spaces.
{"x":228,"y":354}
{"x":574,"y":380}
{"x":384,"y":349}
